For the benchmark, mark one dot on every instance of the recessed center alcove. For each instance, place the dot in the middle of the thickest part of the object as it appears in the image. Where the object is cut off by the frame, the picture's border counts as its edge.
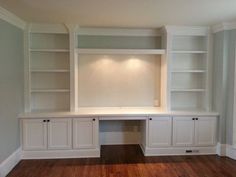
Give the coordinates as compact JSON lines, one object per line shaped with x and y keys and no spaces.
{"x":119,"y":80}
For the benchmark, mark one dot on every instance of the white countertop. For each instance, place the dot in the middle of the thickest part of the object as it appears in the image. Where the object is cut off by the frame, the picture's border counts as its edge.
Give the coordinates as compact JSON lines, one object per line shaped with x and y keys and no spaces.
{"x":116,"y":112}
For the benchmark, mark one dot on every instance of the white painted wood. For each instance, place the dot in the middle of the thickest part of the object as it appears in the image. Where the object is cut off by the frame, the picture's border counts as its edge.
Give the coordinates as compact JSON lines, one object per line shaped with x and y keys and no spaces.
{"x":59,"y":134}
{"x":8,"y":164}
{"x":130,"y":113}
{"x":27,"y":74}
{"x":160,"y":129}
{"x":49,"y":50}
{"x":121,"y":51}
{"x":85,"y":133}
{"x":188,"y":51}
{"x":61,"y":154}
{"x":205,"y":131}
{"x":73,"y":39}
{"x":50,"y":71}
{"x":187,"y":90}
{"x":183,"y":131}
{"x":34,"y":134}
{"x":172,"y":151}
{"x":49,"y":90}
{"x":188,"y":71}
{"x":12,"y":18}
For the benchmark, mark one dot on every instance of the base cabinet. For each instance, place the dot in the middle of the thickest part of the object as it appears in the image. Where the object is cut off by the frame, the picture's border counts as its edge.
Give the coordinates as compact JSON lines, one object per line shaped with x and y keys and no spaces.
{"x":183,"y":131}
{"x":85,"y":133}
{"x":205,"y":131}
{"x":60,"y":134}
{"x":159,"y":131}
{"x":42,"y":134}
{"x":34,"y":132}
{"x":194,"y":131}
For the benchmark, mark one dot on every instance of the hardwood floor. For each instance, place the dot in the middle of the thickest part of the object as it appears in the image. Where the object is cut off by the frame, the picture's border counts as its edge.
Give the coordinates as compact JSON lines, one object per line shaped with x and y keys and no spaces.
{"x":128,"y":161}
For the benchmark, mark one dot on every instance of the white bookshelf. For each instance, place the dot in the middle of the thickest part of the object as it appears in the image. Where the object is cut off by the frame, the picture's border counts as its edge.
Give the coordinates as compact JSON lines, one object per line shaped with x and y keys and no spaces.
{"x":188,"y":56}
{"x":49,"y":72}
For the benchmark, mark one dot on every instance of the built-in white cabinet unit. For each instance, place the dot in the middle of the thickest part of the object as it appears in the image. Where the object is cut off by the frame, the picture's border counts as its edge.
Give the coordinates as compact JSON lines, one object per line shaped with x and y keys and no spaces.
{"x":205,"y":131}
{"x":85,"y":133}
{"x":42,"y":134}
{"x":34,"y":134}
{"x":159,"y":131}
{"x":188,"y":55}
{"x":194,"y":131}
{"x":60,"y":134}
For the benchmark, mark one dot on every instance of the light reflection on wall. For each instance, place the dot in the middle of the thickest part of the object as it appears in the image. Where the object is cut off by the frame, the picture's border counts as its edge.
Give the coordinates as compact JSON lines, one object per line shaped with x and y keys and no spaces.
{"x":108,"y":80}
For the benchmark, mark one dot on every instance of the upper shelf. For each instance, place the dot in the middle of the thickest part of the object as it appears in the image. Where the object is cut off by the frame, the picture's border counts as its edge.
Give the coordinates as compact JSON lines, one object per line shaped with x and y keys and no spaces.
{"x":121,"y":51}
{"x":49,"y":50}
{"x":189,"y":51}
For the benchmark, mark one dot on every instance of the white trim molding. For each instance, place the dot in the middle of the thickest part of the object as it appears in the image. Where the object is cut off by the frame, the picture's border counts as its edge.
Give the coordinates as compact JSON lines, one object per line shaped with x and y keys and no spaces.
{"x":11,"y":18}
{"x":7,"y":165}
{"x":224,"y":26}
{"x":58,"y":154}
{"x":231,"y":152}
{"x":221,"y":149}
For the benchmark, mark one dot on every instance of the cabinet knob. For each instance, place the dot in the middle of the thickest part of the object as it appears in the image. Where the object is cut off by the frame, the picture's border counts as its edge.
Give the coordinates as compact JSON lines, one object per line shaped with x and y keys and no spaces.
{"x":48,"y":120}
{"x":193,"y":118}
{"x":196,"y":118}
{"x":94,"y":119}
{"x":44,"y":120}
{"x":150,"y":118}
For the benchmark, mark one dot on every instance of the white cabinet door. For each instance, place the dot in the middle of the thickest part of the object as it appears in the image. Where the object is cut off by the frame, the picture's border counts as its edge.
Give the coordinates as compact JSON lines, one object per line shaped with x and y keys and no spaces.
{"x":34,"y":134}
{"x":183,"y":131}
{"x":60,"y":133}
{"x":205,"y":131}
{"x":160,"y":131}
{"x":85,"y":133}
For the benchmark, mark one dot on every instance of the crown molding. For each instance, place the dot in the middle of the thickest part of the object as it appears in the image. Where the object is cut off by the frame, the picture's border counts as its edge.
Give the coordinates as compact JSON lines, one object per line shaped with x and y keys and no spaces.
{"x":11,"y":18}
{"x":224,"y":27}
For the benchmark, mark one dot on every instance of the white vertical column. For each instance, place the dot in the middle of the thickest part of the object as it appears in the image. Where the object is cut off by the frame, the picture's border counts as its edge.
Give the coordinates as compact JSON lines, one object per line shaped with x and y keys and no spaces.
{"x":73,"y":67}
{"x":27,"y":74}
{"x":209,"y":63}
{"x":166,"y":67}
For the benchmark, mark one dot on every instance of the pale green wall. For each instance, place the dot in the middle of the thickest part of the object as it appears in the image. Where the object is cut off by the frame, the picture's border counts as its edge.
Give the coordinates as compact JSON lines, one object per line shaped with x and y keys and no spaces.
{"x":223,"y":82}
{"x":11,"y":87}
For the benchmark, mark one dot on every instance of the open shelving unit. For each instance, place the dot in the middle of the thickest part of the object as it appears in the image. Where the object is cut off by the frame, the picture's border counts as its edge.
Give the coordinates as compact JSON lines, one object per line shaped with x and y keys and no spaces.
{"x":49,"y":71}
{"x":71,"y":68}
{"x":188,"y":55}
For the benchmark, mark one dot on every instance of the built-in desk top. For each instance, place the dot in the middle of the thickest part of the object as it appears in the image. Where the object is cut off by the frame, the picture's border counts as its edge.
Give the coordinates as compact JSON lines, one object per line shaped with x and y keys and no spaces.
{"x":116,"y":112}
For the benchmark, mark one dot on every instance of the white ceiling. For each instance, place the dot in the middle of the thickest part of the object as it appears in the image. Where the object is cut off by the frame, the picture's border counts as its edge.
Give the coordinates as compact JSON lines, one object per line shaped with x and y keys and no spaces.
{"x":124,"y":13}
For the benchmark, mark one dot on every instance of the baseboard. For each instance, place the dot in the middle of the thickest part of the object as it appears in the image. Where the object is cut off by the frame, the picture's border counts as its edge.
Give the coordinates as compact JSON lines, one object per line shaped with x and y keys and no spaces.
{"x":7,"y":165}
{"x":61,"y":154}
{"x":172,"y":151}
{"x":231,"y":152}
{"x":221,"y":149}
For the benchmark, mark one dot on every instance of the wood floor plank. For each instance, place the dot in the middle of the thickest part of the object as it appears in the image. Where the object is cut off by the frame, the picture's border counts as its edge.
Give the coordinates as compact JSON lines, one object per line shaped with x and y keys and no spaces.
{"x":128,"y":161}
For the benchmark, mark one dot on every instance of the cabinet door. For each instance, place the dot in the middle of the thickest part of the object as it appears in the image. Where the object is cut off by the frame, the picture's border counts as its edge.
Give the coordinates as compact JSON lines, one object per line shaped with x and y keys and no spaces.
{"x":160,"y":131}
{"x":205,"y":131}
{"x":60,"y":133}
{"x":85,"y":133}
{"x":183,"y":131}
{"x":34,"y":134}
